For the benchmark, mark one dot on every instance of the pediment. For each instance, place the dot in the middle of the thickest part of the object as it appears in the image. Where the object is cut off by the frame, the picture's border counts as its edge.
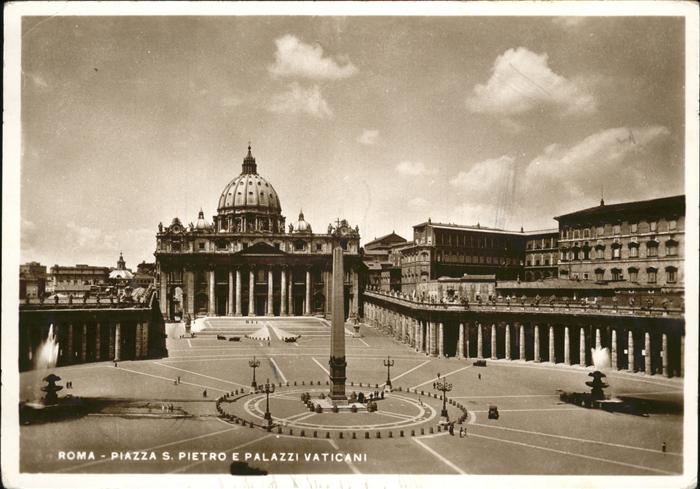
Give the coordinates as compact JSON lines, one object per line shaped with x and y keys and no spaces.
{"x":261,"y":248}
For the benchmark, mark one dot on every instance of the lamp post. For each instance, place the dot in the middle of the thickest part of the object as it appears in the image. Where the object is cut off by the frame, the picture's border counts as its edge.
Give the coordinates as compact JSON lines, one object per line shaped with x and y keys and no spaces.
{"x":254,"y":364}
{"x":388,"y":363}
{"x":268,"y":389}
{"x":444,"y":387}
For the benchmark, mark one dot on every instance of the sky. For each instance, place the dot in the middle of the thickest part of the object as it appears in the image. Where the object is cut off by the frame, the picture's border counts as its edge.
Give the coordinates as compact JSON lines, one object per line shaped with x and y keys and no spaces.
{"x":383,"y":121}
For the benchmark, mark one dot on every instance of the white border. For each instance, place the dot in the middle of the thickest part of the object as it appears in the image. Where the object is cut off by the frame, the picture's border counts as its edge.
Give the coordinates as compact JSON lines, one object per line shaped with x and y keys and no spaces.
{"x":11,"y":239}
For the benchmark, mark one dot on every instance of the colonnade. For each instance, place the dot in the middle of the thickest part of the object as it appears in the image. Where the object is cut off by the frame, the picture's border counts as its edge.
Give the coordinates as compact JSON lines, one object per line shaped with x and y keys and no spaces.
{"x":624,"y":346}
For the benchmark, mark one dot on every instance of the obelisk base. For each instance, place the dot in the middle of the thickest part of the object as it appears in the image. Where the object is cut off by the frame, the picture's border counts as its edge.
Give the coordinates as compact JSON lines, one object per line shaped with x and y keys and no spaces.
{"x":337,"y":377}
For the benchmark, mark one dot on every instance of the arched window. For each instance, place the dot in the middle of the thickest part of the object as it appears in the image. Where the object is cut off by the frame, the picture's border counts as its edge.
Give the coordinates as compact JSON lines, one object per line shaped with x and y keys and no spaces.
{"x":671,"y":275}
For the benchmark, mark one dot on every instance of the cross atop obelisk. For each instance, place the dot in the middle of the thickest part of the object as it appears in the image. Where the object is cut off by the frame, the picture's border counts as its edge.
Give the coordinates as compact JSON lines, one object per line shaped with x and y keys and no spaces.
{"x":337,"y":361}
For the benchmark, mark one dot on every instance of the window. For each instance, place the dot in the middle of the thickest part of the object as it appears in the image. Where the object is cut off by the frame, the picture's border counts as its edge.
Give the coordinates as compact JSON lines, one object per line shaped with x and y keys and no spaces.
{"x":319,"y":246}
{"x":616,"y":251}
{"x":201,"y":246}
{"x":599,"y":230}
{"x":616,"y":274}
{"x":616,"y":229}
{"x":634,"y":250}
{"x":652,"y":226}
{"x":600,"y":252}
{"x":299,"y":246}
{"x":633,"y":274}
{"x":652,"y":248}
{"x":586,"y":233}
{"x":651,"y":275}
{"x":599,"y":274}
{"x":672,"y":224}
{"x":671,"y":247}
{"x":671,"y":275}
{"x":633,"y":227}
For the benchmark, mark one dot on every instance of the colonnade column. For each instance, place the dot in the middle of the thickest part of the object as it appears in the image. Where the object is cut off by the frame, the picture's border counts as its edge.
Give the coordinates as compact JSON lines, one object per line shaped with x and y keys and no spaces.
{"x":647,"y":353}
{"x":537,"y":343}
{"x":238,"y":292}
{"x":664,"y":354}
{"x":521,"y":353}
{"x":212,"y":291}
{"x":613,"y":349}
{"x":270,"y":284}
{"x":582,"y":348}
{"x":479,"y":342}
{"x":83,"y":343}
{"x":307,"y":302}
{"x":460,"y":341}
{"x":567,"y":346}
{"x":110,"y":346}
{"x":98,"y":341}
{"x":630,"y":351}
{"x":163,"y":297}
{"x":251,"y":292}
{"x":552,"y":358}
{"x":441,"y":340}
{"x":230,"y":309}
{"x":283,"y":292}
{"x":494,"y":344}
{"x":138,"y":346}
{"x":466,"y":341}
{"x":508,"y":356}
{"x":117,"y":341}
{"x":416,"y":334}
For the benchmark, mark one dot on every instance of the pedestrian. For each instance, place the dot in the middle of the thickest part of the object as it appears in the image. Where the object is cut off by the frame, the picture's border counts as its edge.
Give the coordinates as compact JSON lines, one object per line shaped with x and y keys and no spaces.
{"x":178,"y":379}
{"x":461,"y":431}
{"x":175,"y":381}
{"x":204,"y":394}
{"x":663,"y":447}
{"x":115,"y":363}
{"x":479,"y":375}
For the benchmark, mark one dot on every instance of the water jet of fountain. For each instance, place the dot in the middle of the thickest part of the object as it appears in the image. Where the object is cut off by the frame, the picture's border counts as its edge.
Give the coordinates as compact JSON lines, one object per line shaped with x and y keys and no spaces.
{"x":46,"y":355}
{"x":601,"y":358}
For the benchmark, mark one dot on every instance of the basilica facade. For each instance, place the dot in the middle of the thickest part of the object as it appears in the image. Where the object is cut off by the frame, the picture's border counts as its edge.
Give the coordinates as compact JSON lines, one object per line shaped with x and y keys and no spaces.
{"x":248,"y":262}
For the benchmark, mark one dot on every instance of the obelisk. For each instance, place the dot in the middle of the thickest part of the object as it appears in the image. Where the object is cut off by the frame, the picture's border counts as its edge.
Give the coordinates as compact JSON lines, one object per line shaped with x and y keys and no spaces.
{"x":337,"y":361}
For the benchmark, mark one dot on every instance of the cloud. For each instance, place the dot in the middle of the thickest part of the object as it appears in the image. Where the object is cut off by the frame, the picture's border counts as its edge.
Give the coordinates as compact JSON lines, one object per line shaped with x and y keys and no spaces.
{"x":418,"y":203}
{"x":485,"y":178}
{"x":368,"y":137}
{"x":295,"y":58}
{"x":521,"y":81}
{"x":37,"y":80}
{"x":301,"y":100}
{"x":413,"y":169}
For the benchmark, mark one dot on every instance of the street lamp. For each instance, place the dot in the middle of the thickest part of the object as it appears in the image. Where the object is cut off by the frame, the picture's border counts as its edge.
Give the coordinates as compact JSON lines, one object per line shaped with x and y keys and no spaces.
{"x":444,"y":387}
{"x":388,"y":363}
{"x":268,"y":389}
{"x":254,"y":364}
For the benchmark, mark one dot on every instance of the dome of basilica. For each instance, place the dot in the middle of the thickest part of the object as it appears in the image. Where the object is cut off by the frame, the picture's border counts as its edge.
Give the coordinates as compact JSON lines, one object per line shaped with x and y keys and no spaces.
{"x":249,"y":192}
{"x":301,"y":225}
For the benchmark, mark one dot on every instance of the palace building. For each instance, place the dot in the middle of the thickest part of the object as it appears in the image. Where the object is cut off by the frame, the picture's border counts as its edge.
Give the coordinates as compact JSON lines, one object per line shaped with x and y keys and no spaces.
{"x":245,"y":262}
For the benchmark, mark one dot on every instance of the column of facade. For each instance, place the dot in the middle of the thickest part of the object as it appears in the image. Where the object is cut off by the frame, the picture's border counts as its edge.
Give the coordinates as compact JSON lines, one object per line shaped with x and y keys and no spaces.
{"x":283,"y":292}
{"x":230,"y":309}
{"x":613,"y":349}
{"x":98,"y":341}
{"x":664,"y":355}
{"x":270,"y":289}
{"x":307,"y":302}
{"x":212,"y":297}
{"x":290,"y":293}
{"x":479,"y":342}
{"x":117,"y":341}
{"x":494,"y":343}
{"x":83,"y":343}
{"x":537,"y":343}
{"x":521,"y":346}
{"x":552,"y":358}
{"x":460,"y":341}
{"x":441,"y":340}
{"x":189,"y":290}
{"x":630,"y":351}
{"x":163,"y":297}
{"x":647,"y":353}
{"x":355,"y":281}
{"x":238,"y":292}
{"x":582,"y":347}
{"x":567,"y":346}
{"x":508,"y":355}
{"x":251,"y":291}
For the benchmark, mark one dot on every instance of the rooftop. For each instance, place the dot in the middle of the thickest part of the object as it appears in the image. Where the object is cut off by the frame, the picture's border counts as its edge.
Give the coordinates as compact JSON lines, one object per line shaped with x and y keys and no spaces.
{"x":676,"y":202}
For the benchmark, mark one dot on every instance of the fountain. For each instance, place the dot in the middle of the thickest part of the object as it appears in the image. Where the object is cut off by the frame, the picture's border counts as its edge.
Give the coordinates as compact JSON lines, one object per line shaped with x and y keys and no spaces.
{"x":51,"y":389}
{"x":47,"y":354}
